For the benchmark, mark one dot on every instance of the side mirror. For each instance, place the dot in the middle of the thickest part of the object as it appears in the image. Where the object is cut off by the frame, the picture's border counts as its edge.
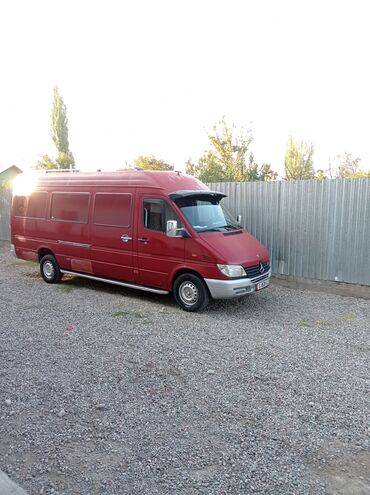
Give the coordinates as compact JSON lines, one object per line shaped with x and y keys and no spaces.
{"x":239,"y":219}
{"x":171,"y":228}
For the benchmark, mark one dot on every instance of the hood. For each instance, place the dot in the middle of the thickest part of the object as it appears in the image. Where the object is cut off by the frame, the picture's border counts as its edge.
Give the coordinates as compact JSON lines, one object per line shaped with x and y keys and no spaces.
{"x":236,"y":248}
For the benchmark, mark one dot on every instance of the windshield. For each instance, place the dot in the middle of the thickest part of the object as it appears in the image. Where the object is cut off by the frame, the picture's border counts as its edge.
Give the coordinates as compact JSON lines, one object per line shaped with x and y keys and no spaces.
{"x":206,"y":214}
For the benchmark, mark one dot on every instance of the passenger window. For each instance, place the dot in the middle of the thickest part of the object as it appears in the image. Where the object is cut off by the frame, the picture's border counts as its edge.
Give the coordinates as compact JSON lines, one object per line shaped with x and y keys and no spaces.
{"x":112,"y":210}
{"x":70,"y":207}
{"x":156,"y":212}
{"x":153,"y":214}
{"x":33,"y":206}
{"x":20,"y":206}
{"x":37,"y":205}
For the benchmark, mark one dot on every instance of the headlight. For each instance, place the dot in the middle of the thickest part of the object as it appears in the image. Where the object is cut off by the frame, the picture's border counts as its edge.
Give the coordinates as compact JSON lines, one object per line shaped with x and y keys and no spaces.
{"x":232,"y":270}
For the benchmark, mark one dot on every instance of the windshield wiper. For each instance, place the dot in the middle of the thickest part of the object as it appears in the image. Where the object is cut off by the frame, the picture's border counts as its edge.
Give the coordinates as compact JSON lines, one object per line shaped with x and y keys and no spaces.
{"x":220,"y":228}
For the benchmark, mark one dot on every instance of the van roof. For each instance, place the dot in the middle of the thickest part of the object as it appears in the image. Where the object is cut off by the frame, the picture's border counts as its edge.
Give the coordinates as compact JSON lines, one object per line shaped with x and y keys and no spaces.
{"x":168,"y":182}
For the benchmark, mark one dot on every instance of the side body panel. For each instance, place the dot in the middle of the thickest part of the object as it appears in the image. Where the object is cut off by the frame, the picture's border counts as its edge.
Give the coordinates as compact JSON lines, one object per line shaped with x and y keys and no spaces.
{"x":68,"y":240}
{"x":112,"y":240}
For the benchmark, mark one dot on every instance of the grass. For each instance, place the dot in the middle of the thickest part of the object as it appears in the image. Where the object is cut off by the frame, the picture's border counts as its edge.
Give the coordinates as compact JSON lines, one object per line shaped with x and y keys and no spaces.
{"x":324,"y":323}
{"x":67,"y":288}
{"x":348,"y":316}
{"x":327,"y":323}
{"x":24,"y":263}
{"x":127,"y":313}
{"x":121,"y":313}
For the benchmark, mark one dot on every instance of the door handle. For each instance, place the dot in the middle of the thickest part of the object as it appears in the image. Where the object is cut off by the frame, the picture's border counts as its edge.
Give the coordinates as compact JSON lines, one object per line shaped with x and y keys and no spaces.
{"x":145,"y":240}
{"x":126,"y":238}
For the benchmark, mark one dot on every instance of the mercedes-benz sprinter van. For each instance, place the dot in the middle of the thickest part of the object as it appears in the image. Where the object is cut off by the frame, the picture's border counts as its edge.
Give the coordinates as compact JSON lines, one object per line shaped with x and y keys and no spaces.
{"x":149,"y":230}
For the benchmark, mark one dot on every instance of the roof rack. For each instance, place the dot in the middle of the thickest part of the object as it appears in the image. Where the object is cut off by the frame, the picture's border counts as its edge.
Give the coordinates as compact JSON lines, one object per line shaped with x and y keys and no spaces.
{"x":64,"y":170}
{"x":51,"y":170}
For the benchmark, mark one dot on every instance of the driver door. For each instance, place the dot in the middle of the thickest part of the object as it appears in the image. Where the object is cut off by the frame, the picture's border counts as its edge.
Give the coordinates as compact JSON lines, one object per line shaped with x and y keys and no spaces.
{"x":157,"y":254}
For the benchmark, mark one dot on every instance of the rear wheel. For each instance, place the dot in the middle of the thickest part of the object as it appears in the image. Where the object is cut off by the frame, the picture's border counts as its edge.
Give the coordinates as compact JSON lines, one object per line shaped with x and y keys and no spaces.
{"x":190,"y":292}
{"x":50,"y":270}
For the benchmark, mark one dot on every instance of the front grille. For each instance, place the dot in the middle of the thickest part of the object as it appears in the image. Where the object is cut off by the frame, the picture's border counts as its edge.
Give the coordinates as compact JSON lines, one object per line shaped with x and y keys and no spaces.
{"x":262,"y":277}
{"x":254,"y":271}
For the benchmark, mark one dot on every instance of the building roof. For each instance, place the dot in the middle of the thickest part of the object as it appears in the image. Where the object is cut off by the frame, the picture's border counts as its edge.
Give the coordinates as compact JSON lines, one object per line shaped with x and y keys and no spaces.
{"x":9,"y":167}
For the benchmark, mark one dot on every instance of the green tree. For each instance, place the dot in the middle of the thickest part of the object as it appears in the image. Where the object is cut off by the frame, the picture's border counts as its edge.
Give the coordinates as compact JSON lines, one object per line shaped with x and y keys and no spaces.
{"x":298,"y":160}
{"x":361,"y":174}
{"x":208,"y":169}
{"x":231,"y":150}
{"x":266,"y":173}
{"x":59,"y":132}
{"x":229,"y":158}
{"x":59,"y":135}
{"x":189,"y":167}
{"x":151,"y":163}
{"x":46,"y":163}
{"x":320,"y":175}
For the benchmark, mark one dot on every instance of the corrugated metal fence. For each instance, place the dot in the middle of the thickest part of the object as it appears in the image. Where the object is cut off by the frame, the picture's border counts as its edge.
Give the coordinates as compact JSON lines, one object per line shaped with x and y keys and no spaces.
{"x":313,"y":229}
{"x":5,"y":200}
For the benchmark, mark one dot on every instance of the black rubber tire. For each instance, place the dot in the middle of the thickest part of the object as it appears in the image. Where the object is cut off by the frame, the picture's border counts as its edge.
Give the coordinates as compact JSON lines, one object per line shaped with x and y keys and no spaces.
{"x":50,"y":270}
{"x":190,"y":292}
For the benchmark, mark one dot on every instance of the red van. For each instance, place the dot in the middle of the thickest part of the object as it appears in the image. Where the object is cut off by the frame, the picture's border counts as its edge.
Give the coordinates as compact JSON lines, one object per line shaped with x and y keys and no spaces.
{"x":156,"y":231}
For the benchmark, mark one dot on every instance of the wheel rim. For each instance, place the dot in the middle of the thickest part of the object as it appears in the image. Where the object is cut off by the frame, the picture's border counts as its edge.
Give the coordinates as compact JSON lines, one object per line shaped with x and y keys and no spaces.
{"x":48,"y":269}
{"x":188,"y":293}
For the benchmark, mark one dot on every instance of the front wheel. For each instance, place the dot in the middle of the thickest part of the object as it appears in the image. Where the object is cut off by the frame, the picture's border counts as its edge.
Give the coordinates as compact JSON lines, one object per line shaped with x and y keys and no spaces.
{"x":190,"y":292}
{"x":50,"y":270}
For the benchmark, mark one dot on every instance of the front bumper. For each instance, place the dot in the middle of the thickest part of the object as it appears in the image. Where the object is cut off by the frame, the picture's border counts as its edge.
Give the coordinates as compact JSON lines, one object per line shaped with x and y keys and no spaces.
{"x":227,"y":289}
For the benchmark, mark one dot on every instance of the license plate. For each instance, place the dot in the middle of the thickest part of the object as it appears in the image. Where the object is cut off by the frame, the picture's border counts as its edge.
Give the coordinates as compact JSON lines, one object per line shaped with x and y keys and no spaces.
{"x":262,"y":285}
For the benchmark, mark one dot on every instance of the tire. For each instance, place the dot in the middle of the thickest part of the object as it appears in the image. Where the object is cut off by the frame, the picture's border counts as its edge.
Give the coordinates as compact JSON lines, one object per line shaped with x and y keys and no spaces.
{"x":190,"y":292}
{"x":50,"y":270}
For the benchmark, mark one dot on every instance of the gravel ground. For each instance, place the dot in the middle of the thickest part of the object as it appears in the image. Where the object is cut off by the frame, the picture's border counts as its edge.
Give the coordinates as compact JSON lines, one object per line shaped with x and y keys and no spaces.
{"x":110,"y":391}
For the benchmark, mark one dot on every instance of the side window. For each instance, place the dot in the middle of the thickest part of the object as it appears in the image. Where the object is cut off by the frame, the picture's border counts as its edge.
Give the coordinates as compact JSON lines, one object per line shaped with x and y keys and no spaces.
{"x":33,"y":206}
{"x":37,"y":205}
{"x":153,"y":215}
{"x":70,"y":207}
{"x":156,"y":212}
{"x":20,"y":206}
{"x":112,"y":210}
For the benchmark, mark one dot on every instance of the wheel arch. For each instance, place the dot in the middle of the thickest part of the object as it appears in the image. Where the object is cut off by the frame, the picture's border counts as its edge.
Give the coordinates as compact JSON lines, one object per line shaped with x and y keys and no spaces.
{"x":43,"y":251}
{"x":183,"y":270}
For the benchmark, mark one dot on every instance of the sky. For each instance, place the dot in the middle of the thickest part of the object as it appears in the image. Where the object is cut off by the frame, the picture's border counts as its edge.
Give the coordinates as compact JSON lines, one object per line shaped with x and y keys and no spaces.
{"x":144,"y":77}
